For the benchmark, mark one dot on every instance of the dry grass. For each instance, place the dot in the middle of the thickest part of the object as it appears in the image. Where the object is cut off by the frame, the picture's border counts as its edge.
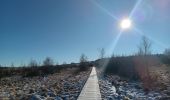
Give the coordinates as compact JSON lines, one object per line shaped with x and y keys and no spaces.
{"x":153,"y":73}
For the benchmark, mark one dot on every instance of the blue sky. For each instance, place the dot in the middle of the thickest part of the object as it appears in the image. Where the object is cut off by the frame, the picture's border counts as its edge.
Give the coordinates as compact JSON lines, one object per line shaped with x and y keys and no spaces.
{"x":64,"y":29}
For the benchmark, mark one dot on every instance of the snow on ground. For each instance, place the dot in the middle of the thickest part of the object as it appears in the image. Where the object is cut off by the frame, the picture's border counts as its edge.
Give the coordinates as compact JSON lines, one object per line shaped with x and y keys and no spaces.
{"x":65,"y":85}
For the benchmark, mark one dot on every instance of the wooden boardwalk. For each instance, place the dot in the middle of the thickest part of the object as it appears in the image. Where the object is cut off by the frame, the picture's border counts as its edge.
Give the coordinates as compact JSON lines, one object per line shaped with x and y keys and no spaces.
{"x":91,"y":89}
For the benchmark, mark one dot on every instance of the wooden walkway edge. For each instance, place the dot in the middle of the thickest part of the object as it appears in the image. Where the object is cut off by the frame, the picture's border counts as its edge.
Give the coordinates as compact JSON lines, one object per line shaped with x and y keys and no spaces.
{"x":91,"y":89}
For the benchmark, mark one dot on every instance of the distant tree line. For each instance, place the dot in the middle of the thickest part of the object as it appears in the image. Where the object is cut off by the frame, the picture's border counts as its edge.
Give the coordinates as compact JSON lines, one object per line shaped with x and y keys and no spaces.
{"x":48,"y":67}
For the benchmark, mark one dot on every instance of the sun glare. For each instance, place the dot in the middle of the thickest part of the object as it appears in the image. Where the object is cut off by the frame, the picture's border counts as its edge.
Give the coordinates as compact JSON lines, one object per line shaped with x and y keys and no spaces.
{"x":126,"y":23}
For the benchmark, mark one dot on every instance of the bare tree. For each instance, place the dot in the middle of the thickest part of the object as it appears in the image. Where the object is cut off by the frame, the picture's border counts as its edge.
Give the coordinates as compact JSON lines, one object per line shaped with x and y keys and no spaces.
{"x":64,"y":63}
{"x":145,"y":46}
{"x":83,"y":62}
{"x":102,"y":53}
{"x":48,"y":61}
{"x":144,"y":62}
{"x":83,"y":58}
{"x":166,"y":58}
{"x":33,"y":63}
{"x":12,"y":64}
{"x":167,"y":52}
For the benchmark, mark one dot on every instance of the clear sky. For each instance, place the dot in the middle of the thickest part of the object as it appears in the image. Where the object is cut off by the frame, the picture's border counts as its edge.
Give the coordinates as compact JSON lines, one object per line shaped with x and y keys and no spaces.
{"x":64,"y":29}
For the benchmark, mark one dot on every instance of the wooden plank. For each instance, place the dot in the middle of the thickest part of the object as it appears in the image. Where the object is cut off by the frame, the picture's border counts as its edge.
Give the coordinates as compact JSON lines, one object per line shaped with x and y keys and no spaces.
{"x":91,"y":89}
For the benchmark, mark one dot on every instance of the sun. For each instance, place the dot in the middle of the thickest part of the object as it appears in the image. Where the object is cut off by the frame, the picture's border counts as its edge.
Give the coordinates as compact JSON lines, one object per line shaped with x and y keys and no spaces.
{"x":125,"y":23}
